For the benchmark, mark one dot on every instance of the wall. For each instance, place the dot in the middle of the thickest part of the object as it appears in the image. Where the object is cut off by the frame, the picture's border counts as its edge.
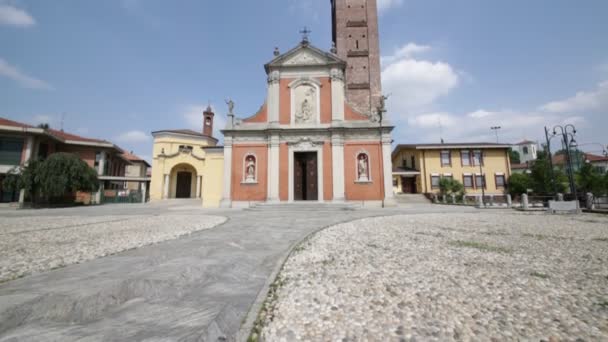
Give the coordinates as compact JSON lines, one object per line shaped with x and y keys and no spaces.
{"x":213,"y":179}
{"x":362,"y":191}
{"x":249,"y":192}
{"x":495,"y":161}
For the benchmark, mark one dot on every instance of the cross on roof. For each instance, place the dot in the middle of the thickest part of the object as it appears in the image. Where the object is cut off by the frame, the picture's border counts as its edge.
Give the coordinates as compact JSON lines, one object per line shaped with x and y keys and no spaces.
{"x":305,"y":32}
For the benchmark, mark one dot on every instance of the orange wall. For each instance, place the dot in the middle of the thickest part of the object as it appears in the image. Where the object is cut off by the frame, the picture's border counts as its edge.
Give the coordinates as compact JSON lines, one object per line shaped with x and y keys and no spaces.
{"x":285,"y":101}
{"x":362,"y":191}
{"x":328,"y":181}
{"x":260,"y":116}
{"x":325,"y":100}
{"x":350,"y":114}
{"x":249,"y":192}
{"x":284,"y":172}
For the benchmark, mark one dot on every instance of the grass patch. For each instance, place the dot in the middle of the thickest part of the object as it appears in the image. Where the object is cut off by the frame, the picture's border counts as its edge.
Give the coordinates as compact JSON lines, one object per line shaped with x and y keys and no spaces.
{"x":479,"y":245}
{"x":539,"y":275}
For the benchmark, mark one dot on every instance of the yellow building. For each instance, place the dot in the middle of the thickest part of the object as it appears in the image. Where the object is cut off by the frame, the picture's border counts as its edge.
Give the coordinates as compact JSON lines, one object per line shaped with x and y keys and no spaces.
{"x":419,"y":168}
{"x":188,"y":164}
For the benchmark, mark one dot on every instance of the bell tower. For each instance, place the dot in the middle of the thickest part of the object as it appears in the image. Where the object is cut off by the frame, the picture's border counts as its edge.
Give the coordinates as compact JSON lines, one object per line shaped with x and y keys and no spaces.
{"x":208,"y":121}
{"x":355,"y":36}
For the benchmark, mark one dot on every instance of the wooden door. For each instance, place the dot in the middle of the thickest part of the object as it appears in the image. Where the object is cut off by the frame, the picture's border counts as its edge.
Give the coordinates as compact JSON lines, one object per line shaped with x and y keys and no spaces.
{"x":311,"y":177}
{"x":183,"y":186}
{"x":299,"y":174}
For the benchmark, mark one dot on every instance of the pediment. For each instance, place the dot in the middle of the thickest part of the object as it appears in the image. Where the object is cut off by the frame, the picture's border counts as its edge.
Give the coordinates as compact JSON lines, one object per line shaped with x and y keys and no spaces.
{"x":305,"y":55}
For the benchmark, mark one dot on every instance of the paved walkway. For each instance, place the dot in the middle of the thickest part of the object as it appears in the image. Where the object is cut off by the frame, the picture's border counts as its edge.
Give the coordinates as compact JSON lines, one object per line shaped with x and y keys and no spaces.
{"x":200,"y":287}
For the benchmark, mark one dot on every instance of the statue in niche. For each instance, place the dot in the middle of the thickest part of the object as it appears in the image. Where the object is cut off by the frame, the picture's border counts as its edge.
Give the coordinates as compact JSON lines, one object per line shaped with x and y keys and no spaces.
{"x":362,"y":168}
{"x":307,"y":110}
{"x":250,"y":169}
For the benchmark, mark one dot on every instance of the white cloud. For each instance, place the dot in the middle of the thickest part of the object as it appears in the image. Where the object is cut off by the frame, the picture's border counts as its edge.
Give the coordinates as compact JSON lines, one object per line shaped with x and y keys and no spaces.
{"x":23,"y":79}
{"x":12,"y":16}
{"x":409,"y":50}
{"x":133,"y":136}
{"x":582,"y":101}
{"x":383,"y":5}
{"x":417,"y":83}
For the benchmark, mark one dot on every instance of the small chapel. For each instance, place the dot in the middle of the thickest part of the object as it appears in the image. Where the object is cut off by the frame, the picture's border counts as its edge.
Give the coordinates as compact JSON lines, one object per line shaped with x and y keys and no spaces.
{"x":320,"y":134}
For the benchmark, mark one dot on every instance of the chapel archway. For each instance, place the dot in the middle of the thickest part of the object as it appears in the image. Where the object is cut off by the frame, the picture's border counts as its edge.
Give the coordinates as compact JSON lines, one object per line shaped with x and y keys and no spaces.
{"x":184,"y":181}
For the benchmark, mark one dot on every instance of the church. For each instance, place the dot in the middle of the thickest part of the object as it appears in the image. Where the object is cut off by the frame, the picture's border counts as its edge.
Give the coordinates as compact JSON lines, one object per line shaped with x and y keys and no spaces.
{"x":320,"y":134}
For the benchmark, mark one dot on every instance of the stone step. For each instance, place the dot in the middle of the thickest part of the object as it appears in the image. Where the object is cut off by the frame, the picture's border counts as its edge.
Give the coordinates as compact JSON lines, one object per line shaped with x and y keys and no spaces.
{"x":304,"y":206}
{"x":412,"y":199}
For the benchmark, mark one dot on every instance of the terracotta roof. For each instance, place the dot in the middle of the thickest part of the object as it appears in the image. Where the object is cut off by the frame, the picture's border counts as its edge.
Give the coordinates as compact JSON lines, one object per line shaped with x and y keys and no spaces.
{"x":134,"y":158}
{"x":68,"y":136}
{"x":593,"y":157}
{"x":522,"y":166}
{"x":560,"y":159}
{"x":7,"y":122}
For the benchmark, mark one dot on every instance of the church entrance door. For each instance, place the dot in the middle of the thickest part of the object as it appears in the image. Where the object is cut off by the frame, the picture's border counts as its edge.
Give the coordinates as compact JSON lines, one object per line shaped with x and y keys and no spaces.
{"x":305,"y":176}
{"x":184,"y":185}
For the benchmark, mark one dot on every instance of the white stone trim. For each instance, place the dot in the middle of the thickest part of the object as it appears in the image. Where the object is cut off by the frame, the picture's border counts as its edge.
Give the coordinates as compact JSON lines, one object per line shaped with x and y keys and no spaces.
{"x":243,"y":169}
{"x":293,"y":86}
{"x":306,"y":147}
{"x":369,"y":166}
{"x":337,"y":155}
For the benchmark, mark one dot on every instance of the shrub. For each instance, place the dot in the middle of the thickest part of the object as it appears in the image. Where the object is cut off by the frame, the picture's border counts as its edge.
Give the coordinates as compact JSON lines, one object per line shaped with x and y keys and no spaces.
{"x":449,"y":186}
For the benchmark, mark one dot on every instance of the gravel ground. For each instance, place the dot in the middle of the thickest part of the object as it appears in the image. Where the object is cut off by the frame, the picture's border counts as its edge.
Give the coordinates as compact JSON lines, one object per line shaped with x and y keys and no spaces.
{"x":483,"y":276}
{"x":31,"y":244}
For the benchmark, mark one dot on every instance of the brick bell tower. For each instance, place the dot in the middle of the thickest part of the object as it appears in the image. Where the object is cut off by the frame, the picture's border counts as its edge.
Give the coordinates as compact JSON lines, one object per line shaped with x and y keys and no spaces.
{"x":355,"y":35}
{"x":208,"y":121}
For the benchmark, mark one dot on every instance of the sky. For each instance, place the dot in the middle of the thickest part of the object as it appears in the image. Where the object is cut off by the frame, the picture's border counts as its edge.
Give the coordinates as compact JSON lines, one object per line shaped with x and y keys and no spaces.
{"x":120,"y":69}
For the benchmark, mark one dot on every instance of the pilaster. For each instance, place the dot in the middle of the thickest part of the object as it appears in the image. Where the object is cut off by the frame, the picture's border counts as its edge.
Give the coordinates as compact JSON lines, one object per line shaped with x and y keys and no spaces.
{"x":337,"y":152}
{"x":272,"y":101}
{"x":273,"y":167}
{"x":337,"y":95}
{"x":226,"y":197}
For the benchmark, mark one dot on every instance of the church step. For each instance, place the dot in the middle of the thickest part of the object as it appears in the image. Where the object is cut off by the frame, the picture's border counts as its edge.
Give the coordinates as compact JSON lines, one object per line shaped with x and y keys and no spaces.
{"x":304,"y":206}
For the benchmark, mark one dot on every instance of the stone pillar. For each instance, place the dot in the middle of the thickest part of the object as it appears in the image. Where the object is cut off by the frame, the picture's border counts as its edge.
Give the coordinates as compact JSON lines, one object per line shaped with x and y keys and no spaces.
{"x":273,"y":168}
{"x":100,"y":172}
{"x":560,"y":197}
{"x":589,"y":201}
{"x":337,"y":95}
{"x":453,"y":198}
{"x":444,"y":199}
{"x":337,"y":156}
{"x":509,"y":201}
{"x":29,"y":151}
{"x":166,"y":187}
{"x":198,"y":186}
{"x":272,"y":101}
{"x":389,"y":198}
{"x":524,"y":201}
{"x":226,"y":198}
{"x":142,"y":187}
{"x":478,"y":201}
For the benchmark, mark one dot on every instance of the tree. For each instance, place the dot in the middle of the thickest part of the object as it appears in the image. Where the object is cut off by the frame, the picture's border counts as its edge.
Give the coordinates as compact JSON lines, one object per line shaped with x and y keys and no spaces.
{"x":514,"y":156}
{"x":44,"y":125}
{"x":519,"y":183}
{"x":449,"y":186}
{"x":588,"y":179}
{"x":58,"y":175}
{"x":541,"y":175}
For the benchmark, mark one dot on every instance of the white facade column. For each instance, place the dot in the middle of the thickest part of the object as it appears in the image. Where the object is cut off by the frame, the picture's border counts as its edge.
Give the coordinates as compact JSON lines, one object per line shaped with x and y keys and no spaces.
{"x":226,"y":198}
{"x":388,"y":169}
{"x":198,"y":186}
{"x":273,"y":168}
{"x":337,"y":95}
{"x":29,"y":151}
{"x":272,"y":102}
{"x":337,"y":156}
{"x":166,"y":186}
{"x":100,"y":168}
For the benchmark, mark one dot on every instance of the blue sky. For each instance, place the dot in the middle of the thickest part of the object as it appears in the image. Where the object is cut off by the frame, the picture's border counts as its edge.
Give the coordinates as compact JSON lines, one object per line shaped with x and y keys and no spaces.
{"x":119,"y":69}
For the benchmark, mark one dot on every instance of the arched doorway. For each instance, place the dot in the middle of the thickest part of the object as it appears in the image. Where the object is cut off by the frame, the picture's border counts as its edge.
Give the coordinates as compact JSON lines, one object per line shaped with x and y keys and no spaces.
{"x":184,"y":181}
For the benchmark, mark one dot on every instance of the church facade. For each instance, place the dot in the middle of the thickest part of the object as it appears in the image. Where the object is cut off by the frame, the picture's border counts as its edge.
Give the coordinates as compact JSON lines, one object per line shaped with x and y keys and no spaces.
{"x":319,"y":135}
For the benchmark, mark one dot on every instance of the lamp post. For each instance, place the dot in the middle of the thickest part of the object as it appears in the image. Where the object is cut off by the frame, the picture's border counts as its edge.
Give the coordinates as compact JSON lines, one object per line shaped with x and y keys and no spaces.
{"x":567,"y":134}
{"x":495,"y":129}
{"x":381,"y":110}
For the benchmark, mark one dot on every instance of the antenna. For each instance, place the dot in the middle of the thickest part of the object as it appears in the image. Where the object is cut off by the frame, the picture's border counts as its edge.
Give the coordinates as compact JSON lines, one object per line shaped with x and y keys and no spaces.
{"x":62,"y":119}
{"x":440,"y":129}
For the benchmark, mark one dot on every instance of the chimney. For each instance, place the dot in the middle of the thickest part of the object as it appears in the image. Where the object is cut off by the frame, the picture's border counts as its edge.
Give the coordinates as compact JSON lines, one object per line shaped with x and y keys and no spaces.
{"x":208,"y":121}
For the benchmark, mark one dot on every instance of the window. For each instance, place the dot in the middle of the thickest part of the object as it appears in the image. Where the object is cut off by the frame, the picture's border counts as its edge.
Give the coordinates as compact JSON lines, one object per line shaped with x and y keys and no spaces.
{"x":467,"y":181}
{"x":435,"y":181}
{"x":395,"y":182}
{"x":404,"y":163}
{"x":500,"y":180}
{"x":185,"y":148}
{"x":480,"y":181}
{"x":43,"y":151}
{"x":525,"y":150}
{"x":413,"y":162}
{"x":10,"y":151}
{"x":446,"y":159}
{"x":465,"y":157}
{"x":250,"y":169}
{"x":477,"y":158}
{"x":448,"y":176}
{"x":363,"y":174}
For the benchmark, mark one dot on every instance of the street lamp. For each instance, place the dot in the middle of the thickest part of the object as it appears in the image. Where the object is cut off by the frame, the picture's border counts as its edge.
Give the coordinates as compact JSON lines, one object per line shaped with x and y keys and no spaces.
{"x":567,"y":134}
{"x":495,"y":129}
